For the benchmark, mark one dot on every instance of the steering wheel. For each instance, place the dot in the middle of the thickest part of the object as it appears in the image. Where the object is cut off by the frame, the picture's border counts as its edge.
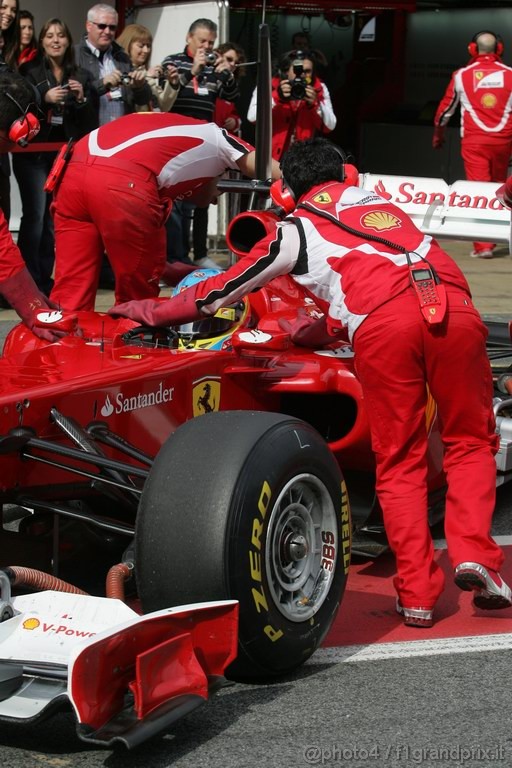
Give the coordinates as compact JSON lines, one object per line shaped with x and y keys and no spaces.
{"x":151,"y":336}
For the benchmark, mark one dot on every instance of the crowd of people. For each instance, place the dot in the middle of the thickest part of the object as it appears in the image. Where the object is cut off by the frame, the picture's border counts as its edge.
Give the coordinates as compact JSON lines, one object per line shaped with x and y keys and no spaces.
{"x":106,"y":75}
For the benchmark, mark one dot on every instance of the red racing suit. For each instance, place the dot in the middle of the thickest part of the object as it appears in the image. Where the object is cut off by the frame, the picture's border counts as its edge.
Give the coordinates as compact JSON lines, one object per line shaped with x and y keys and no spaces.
{"x":365,"y":285}
{"x":11,"y":260}
{"x":296,"y":120}
{"x":18,"y":287}
{"x":484,"y":91}
{"x":115,"y":196}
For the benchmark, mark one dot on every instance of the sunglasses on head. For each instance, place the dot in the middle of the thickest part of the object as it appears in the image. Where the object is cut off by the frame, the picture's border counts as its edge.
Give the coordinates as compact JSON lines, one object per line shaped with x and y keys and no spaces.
{"x":111,"y":27}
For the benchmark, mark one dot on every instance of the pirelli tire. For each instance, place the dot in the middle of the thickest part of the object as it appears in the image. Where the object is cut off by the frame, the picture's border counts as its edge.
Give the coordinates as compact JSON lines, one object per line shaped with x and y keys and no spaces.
{"x":248,"y":506}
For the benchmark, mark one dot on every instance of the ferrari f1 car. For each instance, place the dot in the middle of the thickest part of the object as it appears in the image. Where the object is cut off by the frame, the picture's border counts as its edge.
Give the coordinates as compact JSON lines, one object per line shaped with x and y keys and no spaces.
{"x":176,"y":506}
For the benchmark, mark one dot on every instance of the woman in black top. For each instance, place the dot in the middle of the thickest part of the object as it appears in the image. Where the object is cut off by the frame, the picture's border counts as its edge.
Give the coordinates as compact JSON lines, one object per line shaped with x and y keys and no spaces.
{"x":65,"y":113}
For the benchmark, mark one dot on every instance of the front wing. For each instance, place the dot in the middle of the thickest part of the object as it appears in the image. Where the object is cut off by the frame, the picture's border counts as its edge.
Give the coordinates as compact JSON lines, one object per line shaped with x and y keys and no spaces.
{"x":126,"y":676}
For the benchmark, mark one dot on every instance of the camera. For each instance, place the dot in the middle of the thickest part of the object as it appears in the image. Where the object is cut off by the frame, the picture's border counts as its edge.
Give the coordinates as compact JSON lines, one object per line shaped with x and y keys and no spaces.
{"x":211,"y":58}
{"x":298,"y":86}
{"x":70,"y":96}
{"x":299,"y":83}
{"x":298,"y":89}
{"x":126,"y":79}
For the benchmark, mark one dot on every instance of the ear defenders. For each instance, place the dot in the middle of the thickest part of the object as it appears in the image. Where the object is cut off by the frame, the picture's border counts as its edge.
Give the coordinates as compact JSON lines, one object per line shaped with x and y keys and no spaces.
{"x":24,"y":128}
{"x":282,"y":195}
{"x":473,"y":45}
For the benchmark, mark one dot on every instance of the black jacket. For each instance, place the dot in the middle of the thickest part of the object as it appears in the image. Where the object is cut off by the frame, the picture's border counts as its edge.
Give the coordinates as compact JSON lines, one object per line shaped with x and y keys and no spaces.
{"x":77,"y":119}
{"x":86,"y":59}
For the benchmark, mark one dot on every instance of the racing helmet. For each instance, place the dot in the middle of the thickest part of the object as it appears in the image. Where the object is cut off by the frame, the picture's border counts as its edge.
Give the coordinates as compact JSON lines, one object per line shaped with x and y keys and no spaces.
{"x":214,"y":331}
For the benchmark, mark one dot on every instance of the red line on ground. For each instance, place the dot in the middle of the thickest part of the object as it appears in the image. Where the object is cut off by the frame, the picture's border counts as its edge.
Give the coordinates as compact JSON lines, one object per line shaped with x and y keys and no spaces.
{"x":367,"y":614}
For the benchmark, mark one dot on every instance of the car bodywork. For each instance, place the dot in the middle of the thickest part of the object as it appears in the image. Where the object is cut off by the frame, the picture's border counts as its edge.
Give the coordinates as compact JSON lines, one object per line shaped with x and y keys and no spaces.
{"x":81,"y":422}
{"x":113,"y":474}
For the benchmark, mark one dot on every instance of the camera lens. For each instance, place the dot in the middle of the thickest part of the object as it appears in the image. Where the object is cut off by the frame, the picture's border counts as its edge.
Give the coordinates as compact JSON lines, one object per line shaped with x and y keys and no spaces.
{"x":298,"y":90}
{"x":211,"y":58}
{"x":126,"y":79}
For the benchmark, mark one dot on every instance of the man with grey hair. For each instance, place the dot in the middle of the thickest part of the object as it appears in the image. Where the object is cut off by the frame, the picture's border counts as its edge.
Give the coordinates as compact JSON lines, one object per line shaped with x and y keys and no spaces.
{"x":116,"y":89}
{"x":204,"y":77}
{"x":484,"y":91}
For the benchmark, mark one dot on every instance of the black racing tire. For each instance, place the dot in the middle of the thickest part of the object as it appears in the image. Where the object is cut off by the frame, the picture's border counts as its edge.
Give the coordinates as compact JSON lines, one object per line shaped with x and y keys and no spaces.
{"x":248,"y":506}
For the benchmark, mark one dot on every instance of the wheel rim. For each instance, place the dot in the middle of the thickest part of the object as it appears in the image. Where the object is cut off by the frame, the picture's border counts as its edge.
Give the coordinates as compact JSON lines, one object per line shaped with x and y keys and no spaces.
{"x":301,"y":548}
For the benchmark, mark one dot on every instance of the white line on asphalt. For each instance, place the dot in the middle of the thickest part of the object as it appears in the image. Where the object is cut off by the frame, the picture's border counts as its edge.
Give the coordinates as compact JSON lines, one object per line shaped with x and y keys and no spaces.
{"x":381,"y":651}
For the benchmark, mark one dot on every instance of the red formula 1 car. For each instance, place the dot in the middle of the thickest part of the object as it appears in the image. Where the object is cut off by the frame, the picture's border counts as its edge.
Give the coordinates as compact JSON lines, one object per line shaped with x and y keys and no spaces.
{"x":175,"y":506}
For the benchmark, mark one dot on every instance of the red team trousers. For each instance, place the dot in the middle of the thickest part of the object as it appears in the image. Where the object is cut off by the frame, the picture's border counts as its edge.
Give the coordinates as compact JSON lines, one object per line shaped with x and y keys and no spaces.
{"x":486,"y":162}
{"x":122,"y":203}
{"x":396,"y":352}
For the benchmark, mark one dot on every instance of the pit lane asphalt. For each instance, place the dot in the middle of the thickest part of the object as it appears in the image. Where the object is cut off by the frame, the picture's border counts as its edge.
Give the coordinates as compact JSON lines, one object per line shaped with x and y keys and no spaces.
{"x":437,"y":711}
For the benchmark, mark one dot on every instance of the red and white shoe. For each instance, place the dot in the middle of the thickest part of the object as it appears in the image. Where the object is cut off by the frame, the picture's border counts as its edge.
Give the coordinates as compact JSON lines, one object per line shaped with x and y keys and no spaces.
{"x":487,"y":253}
{"x":415,"y":617}
{"x":490,"y":590}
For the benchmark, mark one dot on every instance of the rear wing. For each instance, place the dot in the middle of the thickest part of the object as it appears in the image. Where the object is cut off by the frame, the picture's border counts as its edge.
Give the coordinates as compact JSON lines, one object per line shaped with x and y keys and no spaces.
{"x":464,"y":210}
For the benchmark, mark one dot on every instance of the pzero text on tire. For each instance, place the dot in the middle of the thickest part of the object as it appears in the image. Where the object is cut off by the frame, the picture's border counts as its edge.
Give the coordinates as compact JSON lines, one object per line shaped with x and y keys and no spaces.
{"x":248,"y":506}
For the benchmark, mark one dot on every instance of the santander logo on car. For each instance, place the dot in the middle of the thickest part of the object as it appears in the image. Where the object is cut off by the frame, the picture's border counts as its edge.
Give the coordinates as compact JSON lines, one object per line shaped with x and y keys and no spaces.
{"x":121,"y":403}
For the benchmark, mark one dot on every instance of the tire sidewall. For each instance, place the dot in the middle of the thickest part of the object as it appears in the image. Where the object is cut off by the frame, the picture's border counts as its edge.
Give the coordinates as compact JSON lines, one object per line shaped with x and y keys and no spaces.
{"x":267,"y":637}
{"x":201,"y":511}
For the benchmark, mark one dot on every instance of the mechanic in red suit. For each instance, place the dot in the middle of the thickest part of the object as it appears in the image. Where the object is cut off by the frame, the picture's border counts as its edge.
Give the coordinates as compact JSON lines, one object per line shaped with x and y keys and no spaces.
{"x":18,"y":126}
{"x":117,"y":191}
{"x":360,"y":276}
{"x":484,"y":91}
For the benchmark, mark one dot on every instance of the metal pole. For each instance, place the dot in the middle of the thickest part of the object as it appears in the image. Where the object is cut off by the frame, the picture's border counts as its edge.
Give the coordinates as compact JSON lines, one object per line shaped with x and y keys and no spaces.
{"x":264,"y":101}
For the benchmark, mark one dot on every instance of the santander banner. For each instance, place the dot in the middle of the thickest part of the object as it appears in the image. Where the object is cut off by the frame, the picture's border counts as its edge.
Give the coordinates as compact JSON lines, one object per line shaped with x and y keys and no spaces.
{"x":466,"y":210}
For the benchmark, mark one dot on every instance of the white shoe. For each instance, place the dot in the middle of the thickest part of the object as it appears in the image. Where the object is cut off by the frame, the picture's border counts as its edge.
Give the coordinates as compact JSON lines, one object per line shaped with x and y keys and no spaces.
{"x":206,"y":263}
{"x":416,"y":617}
{"x":487,"y":254}
{"x":490,"y":590}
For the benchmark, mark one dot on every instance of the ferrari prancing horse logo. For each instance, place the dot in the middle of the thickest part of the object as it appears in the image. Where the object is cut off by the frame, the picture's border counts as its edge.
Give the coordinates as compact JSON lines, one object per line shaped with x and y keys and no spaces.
{"x":323,"y":197}
{"x":205,"y":396}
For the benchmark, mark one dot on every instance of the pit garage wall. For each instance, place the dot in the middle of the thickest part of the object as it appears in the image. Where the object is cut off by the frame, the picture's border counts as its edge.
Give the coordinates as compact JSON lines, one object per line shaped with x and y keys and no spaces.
{"x":436,"y":45}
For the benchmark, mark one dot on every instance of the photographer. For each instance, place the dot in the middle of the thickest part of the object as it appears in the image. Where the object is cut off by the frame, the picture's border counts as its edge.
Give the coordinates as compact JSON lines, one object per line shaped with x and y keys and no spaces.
{"x":301,"y":103}
{"x":65,"y":112}
{"x":203,"y":76}
{"x":225,"y":113}
{"x":137,"y":41}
